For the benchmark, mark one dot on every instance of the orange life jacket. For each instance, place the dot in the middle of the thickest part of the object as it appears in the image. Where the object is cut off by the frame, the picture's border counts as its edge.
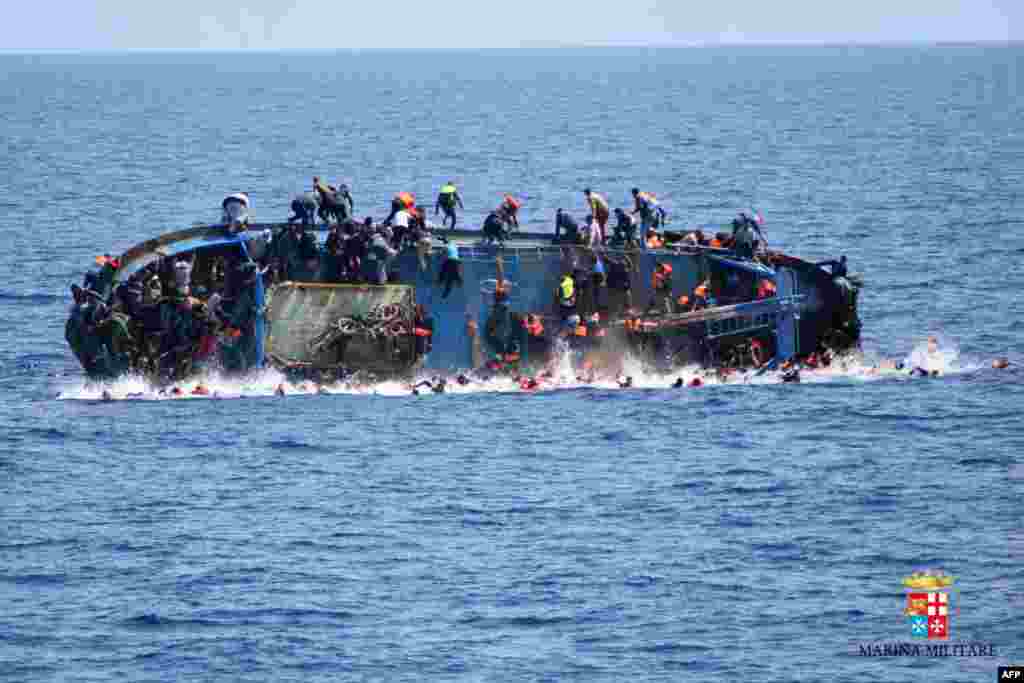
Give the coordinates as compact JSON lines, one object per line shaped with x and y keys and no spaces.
{"x":511,"y":203}
{"x":421,"y":332}
{"x":406,"y":199}
{"x":715,"y":243}
{"x":701,"y":291}
{"x":765,"y":289}
{"x":533,"y":326}
{"x":581,"y":330}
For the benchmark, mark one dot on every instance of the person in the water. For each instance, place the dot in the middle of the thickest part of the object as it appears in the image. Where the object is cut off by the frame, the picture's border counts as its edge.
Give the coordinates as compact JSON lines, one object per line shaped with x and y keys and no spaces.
{"x":437,"y":386}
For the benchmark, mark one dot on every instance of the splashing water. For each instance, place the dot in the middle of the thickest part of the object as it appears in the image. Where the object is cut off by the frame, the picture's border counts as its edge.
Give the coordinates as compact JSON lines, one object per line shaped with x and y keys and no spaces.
{"x":561,"y":373}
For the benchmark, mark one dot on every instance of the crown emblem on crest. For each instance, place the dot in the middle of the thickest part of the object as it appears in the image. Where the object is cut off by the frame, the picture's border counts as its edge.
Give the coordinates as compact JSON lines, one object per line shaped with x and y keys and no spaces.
{"x":928,"y":580}
{"x":928,"y":604}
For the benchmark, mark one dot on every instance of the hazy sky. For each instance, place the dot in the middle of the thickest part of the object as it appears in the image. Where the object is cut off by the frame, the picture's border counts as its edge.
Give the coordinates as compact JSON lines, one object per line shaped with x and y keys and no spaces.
{"x":268,"y":24}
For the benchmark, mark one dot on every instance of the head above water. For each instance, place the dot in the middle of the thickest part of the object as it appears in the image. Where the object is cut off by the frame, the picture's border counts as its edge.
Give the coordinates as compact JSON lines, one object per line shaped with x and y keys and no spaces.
{"x":586,"y":191}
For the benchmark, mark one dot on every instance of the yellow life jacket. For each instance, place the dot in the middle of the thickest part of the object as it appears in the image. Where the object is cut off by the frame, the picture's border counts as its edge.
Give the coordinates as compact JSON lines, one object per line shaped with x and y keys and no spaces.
{"x":567,"y":288}
{"x":448,"y":189}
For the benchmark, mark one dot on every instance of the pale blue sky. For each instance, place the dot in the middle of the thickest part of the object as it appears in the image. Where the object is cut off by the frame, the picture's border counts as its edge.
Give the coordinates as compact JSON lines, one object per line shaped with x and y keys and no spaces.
{"x":272,"y":24}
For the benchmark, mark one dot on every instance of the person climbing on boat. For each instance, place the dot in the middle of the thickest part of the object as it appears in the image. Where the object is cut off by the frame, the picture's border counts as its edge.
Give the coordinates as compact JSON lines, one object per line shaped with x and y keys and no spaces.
{"x":447,"y":200}
{"x":494,"y":229}
{"x":599,"y":210}
{"x":403,"y":201}
{"x":304,"y":208}
{"x":625,"y":228}
{"x":333,"y":202}
{"x":567,"y":230}
{"x":508,"y":212}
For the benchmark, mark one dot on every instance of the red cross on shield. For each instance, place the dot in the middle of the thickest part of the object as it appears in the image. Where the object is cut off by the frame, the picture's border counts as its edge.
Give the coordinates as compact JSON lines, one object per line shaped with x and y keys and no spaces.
{"x":938,"y":616}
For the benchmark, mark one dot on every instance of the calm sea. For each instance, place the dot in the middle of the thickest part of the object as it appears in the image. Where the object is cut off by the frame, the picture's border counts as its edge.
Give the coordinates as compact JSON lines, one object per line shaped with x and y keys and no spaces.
{"x":738,"y":532}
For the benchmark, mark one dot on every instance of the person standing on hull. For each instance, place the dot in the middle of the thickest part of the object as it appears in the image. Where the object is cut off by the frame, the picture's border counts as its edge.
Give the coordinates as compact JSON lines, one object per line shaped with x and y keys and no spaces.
{"x":744,"y":236}
{"x":345,"y":195}
{"x":378,"y":256}
{"x":651,"y":213}
{"x":447,"y":199}
{"x":599,"y":210}
{"x":236,"y":211}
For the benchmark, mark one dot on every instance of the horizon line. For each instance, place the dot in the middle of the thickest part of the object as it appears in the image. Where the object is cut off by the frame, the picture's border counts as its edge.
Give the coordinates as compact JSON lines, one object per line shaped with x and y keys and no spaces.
{"x":538,"y":45}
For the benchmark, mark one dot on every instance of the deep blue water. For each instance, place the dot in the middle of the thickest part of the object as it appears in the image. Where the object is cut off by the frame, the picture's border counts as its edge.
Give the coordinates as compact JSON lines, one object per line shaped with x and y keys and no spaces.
{"x":581,"y":533}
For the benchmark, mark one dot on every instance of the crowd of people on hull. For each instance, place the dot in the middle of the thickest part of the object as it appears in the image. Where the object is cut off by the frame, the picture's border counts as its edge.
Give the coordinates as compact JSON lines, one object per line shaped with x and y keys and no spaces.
{"x":160,"y":321}
{"x":644,"y":226}
{"x":168,"y":320}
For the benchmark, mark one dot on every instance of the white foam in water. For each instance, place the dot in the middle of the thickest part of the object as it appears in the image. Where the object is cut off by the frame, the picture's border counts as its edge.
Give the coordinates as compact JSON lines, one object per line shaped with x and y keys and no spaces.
{"x":561,"y":373}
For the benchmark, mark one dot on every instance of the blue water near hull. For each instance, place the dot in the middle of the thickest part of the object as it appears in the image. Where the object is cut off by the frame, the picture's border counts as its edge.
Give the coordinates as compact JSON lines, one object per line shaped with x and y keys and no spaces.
{"x":580,"y":533}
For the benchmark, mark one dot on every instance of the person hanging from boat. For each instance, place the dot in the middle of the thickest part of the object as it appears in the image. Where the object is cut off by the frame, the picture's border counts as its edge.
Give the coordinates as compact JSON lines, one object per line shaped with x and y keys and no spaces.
{"x":447,"y":200}
{"x":451,"y":270}
{"x":566,"y":295}
{"x":599,"y":210}
{"x":653,"y":240}
{"x":241,"y":311}
{"x":661,"y":289}
{"x":423,"y":330}
{"x":702,"y":296}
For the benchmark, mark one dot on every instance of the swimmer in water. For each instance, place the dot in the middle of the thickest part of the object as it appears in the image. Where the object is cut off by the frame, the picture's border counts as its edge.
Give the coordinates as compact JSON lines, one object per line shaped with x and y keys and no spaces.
{"x":528,"y":383}
{"x":679,"y":383}
{"x":1000,"y":363}
{"x":624,"y":382}
{"x":437,"y":386}
{"x":462,"y":380}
